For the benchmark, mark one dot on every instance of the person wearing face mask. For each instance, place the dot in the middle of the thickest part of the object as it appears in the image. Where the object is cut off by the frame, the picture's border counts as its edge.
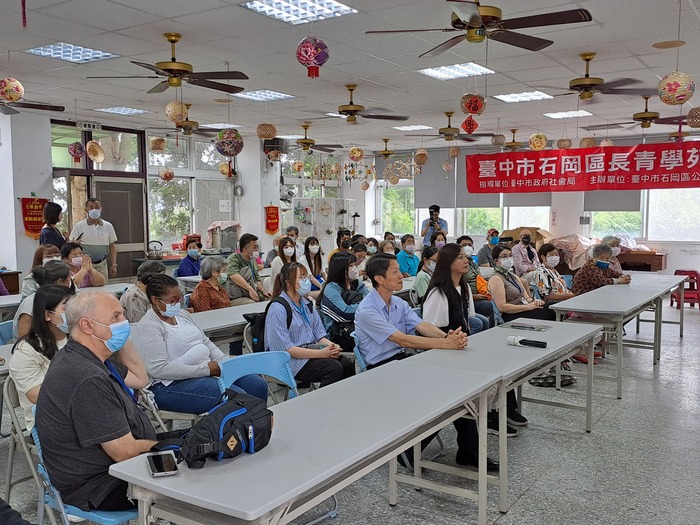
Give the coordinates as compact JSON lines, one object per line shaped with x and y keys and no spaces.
{"x":525,"y":257}
{"x":190,"y":264}
{"x":97,"y":239}
{"x":614,"y":243}
{"x":485,"y":253}
{"x":50,"y":234}
{"x":438,"y":240}
{"x":426,"y":268}
{"x":313,"y":260}
{"x":597,"y":272}
{"x":372,"y":246}
{"x":210,"y":293}
{"x":432,"y":225}
{"x":549,"y":283}
{"x":134,"y":299}
{"x":293,"y":233}
{"x":359,"y":250}
{"x":81,"y":268}
{"x":43,"y":254}
{"x":243,"y":280}
{"x":287,"y":254}
{"x":407,"y":258}
{"x":315,"y":358}
{"x":477,"y":284}
{"x":271,"y":254}
{"x":339,"y":299}
{"x":32,"y":354}
{"x":86,"y":413}
{"x":388,"y":236}
{"x":182,"y":363}
{"x":387,"y":247}
{"x":342,"y":241}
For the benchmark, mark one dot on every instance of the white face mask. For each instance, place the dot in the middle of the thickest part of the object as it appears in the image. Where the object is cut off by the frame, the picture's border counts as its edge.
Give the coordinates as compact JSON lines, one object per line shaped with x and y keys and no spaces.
{"x":353,"y":273}
{"x":553,"y":260}
{"x":507,"y":263}
{"x":289,"y":251}
{"x":431,"y":266}
{"x":616,"y":250}
{"x":314,"y":248}
{"x":255,"y":254}
{"x":468,"y":250}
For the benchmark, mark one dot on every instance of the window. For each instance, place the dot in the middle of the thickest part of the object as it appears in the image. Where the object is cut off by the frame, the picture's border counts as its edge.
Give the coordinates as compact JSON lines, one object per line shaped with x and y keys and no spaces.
{"x":477,"y":221}
{"x":398,"y":213}
{"x":212,"y":203}
{"x":63,"y":136}
{"x":533,"y":216}
{"x":672,"y":214}
{"x":611,"y":222}
{"x":121,"y":150}
{"x":175,"y":155}
{"x":168,"y":210}
{"x":206,"y":157}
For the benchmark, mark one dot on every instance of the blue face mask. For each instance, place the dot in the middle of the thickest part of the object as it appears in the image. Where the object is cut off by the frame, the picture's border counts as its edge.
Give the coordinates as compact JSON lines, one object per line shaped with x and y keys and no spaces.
{"x":120,"y":333}
{"x":171,"y":310}
{"x":63,"y":327}
{"x":602,"y":264}
{"x":193,"y":253}
{"x":495,"y":240}
{"x":304,"y":287}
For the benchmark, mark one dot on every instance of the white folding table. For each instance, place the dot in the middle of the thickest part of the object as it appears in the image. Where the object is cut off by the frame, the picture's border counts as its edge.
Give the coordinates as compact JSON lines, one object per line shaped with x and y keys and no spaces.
{"x":8,"y":305}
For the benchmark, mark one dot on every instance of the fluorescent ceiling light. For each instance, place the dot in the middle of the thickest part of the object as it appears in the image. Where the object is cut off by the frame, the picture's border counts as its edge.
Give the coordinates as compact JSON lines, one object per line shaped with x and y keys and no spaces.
{"x":569,"y":114}
{"x":413,"y":127}
{"x":121,"y":110}
{"x":71,"y":53}
{"x":222,"y":125}
{"x":526,"y":96}
{"x":290,"y":137}
{"x":263,"y":95}
{"x":470,"y":69}
{"x":336,"y":115}
{"x":299,"y":11}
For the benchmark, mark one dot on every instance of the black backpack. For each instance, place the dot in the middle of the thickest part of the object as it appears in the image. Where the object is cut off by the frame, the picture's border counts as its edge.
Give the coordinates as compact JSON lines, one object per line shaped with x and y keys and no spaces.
{"x":257,"y":323}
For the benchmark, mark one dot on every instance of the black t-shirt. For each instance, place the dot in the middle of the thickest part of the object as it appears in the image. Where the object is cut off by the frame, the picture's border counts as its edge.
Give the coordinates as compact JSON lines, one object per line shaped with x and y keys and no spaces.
{"x":80,"y":406}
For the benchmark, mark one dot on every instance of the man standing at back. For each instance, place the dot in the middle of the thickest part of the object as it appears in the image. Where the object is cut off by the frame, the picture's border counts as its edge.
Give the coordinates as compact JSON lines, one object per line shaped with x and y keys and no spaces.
{"x":86,"y":416}
{"x":97,"y":239}
{"x":433,"y":224}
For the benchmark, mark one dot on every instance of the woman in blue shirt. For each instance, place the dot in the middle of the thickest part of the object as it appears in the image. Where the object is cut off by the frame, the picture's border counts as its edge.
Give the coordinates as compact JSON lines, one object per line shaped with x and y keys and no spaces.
{"x":340,"y":297}
{"x":314,"y":357}
{"x":50,"y":234}
{"x":190,"y":264}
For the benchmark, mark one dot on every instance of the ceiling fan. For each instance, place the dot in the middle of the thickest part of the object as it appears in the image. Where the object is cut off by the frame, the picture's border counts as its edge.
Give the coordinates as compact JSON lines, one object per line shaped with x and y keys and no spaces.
{"x":175,"y":72}
{"x":645,"y":119}
{"x":351,"y":110}
{"x":8,"y":108}
{"x":586,"y":86}
{"x":513,"y":145}
{"x":450,"y":133}
{"x":307,"y":144}
{"x":189,"y":127}
{"x":482,"y":21}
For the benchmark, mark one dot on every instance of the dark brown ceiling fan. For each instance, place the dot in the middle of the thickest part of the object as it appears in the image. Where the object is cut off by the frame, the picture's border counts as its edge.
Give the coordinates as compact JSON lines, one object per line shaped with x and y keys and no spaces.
{"x":351,"y":110}
{"x":8,"y":108}
{"x":450,"y":133}
{"x":482,"y":21}
{"x":189,"y":127}
{"x":308,"y":144}
{"x":175,"y":72}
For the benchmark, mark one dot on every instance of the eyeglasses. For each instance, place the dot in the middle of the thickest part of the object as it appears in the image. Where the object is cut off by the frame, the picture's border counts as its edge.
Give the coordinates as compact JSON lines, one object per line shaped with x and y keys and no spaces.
{"x":171,"y":301}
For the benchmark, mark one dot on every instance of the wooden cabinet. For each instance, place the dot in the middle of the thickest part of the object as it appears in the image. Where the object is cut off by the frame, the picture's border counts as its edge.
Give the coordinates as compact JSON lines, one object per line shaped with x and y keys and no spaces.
{"x":643,"y":261}
{"x":11,"y":280}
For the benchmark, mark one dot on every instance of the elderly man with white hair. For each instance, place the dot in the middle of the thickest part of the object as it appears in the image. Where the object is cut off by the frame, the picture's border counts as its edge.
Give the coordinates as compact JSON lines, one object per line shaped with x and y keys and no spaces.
{"x":525,"y":260}
{"x":87,"y":416}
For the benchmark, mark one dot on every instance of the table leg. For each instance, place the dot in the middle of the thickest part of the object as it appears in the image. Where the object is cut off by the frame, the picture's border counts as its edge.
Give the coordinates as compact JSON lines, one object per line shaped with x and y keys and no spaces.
{"x":618,"y":330}
{"x":393,"y":485}
{"x":483,"y":453}
{"x":144,"y":511}
{"x":658,"y":326}
{"x":589,"y":384}
{"x":503,"y":449}
{"x":681,"y":289}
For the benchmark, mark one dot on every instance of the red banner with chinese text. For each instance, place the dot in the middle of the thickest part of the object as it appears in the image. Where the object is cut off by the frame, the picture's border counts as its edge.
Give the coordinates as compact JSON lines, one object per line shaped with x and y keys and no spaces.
{"x":272,"y":219}
{"x":641,"y":167}
{"x":33,"y":215}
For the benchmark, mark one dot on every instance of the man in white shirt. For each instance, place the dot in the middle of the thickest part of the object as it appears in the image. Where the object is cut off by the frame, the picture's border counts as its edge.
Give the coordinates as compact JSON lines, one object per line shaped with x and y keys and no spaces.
{"x":293,"y":233}
{"x":97,"y":239}
{"x":525,"y":260}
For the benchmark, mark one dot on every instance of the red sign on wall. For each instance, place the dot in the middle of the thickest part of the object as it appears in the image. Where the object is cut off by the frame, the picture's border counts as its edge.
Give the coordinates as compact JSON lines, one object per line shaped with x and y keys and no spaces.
{"x":272,"y":219}
{"x":642,"y":167}
{"x":33,"y":216}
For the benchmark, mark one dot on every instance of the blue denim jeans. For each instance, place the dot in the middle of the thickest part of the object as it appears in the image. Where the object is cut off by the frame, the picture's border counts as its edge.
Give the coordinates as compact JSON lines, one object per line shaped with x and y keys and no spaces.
{"x":478,"y":323}
{"x":201,"y":394}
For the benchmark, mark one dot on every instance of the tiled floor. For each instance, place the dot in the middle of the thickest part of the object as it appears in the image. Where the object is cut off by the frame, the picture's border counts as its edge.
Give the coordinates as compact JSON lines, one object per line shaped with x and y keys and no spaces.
{"x":639,"y":465}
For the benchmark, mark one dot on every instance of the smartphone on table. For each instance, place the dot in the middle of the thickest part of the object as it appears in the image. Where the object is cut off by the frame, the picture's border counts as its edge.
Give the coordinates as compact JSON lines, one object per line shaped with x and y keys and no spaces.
{"x":162,"y":463}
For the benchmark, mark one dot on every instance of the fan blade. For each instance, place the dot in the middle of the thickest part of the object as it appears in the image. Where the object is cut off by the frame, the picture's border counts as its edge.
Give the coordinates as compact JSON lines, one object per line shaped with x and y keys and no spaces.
{"x":159,"y":88}
{"x":161,"y":72}
{"x":467,"y":12}
{"x":205,"y":130}
{"x":220,"y":75}
{"x":413,"y":135}
{"x":630,"y":91}
{"x":322,"y":148}
{"x":383,"y":117}
{"x":548,"y":19}
{"x":529,"y":42}
{"x":36,"y":105}
{"x":227,"y":88}
{"x":607,"y":126}
{"x":131,"y":76}
{"x":465,"y":138}
{"x":672,"y":121}
{"x":446,"y":30}
{"x":619,"y":82}
{"x":443,"y":47}
{"x":334,"y":146}
{"x":7,"y":110}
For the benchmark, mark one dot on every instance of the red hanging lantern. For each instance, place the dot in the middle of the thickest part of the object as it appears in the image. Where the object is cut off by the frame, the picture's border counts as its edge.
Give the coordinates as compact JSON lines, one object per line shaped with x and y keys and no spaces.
{"x":312,"y":53}
{"x":470,"y":125}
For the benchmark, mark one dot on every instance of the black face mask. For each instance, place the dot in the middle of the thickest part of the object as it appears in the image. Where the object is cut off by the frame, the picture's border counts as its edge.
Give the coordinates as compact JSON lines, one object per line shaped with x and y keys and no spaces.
{"x":526,"y":240}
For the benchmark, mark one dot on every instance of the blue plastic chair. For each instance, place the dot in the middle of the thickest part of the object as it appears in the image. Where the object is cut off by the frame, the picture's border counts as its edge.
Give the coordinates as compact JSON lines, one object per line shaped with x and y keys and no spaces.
{"x":5,"y":332}
{"x":273,"y":364}
{"x":176,"y":273}
{"x":359,"y":359}
{"x":51,"y":497}
{"x":187,"y":300}
{"x":569,"y":280}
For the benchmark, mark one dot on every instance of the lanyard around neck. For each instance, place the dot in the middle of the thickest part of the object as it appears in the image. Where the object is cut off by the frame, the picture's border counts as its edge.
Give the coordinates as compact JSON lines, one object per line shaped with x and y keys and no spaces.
{"x":115,"y":373}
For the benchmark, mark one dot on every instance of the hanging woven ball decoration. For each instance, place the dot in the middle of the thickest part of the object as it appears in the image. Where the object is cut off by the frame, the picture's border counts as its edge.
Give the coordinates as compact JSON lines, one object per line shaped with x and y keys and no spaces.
{"x":176,"y":111}
{"x":693,"y":118}
{"x":11,"y":89}
{"x":447,"y":166}
{"x":223,"y":168}
{"x":676,"y":88}
{"x":356,"y":154}
{"x":537,"y":141}
{"x":274,"y":155}
{"x":420,"y":157}
{"x":266,"y":131}
{"x":587,"y":142}
{"x":364,"y":186}
{"x":77,"y":151}
{"x":472,"y":104}
{"x":312,"y":53}
{"x":297,"y":166}
{"x":564,"y":143}
{"x":605,"y":143}
{"x":157,"y":144}
{"x":454,"y":152}
{"x":498,"y":140}
{"x":166,"y":174}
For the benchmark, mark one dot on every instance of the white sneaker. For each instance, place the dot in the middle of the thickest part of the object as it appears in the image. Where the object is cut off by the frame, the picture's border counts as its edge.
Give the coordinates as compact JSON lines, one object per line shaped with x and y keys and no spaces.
{"x":74,"y":519}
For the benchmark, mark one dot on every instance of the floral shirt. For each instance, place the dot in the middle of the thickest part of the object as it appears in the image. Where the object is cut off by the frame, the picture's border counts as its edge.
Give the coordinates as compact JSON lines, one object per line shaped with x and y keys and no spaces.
{"x":590,"y":277}
{"x":548,"y":281}
{"x":206,"y":297}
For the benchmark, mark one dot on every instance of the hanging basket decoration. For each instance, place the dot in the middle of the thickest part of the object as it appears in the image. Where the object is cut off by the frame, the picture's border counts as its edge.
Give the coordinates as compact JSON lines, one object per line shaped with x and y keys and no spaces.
{"x":176,"y":111}
{"x":297,"y":166}
{"x":394,"y":179}
{"x":676,"y":88}
{"x":11,"y":89}
{"x":472,"y":104}
{"x":274,"y":155}
{"x":157,"y":144}
{"x":95,"y":152}
{"x":166,"y":174}
{"x":693,"y":118}
{"x":266,"y":131}
{"x":537,"y":141}
{"x":223,"y":168}
{"x":470,"y":125}
{"x":605,"y":143}
{"x":356,"y":154}
{"x":312,"y":53}
{"x":564,"y":143}
{"x":587,"y":142}
{"x":447,"y":166}
{"x":498,"y":140}
{"x":420,"y":157}
{"x":77,"y":151}
{"x":454,"y":152}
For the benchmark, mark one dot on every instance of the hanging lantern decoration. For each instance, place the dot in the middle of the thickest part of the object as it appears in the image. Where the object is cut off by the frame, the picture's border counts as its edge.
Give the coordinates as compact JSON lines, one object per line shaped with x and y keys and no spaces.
{"x":537,"y":141}
{"x":447,"y":166}
{"x":274,"y":155}
{"x":223,"y":168}
{"x":11,"y":89}
{"x":229,"y":143}
{"x":498,"y":140}
{"x":564,"y":143}
{"x":266,"y":131}
{"x":176,"y":111}
{"x":693,"y":118}
{"x":312,"y":53}
{"x":470,"y":125}
{"x":676,"y":88}
{"x":356,"y":154}
{"x":364,"y":186}
{"x":166,"y":174}
{"x":420,"y":157}
{"x":605,"y":143}
{"x":297,"y":166}
{"x":454,"y":152}
{"x":394,"y":179}
{"x":77,"y":151}
{"x":587,"y":142}
{"x":472,"y":104}
{"x":157,"y":144}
